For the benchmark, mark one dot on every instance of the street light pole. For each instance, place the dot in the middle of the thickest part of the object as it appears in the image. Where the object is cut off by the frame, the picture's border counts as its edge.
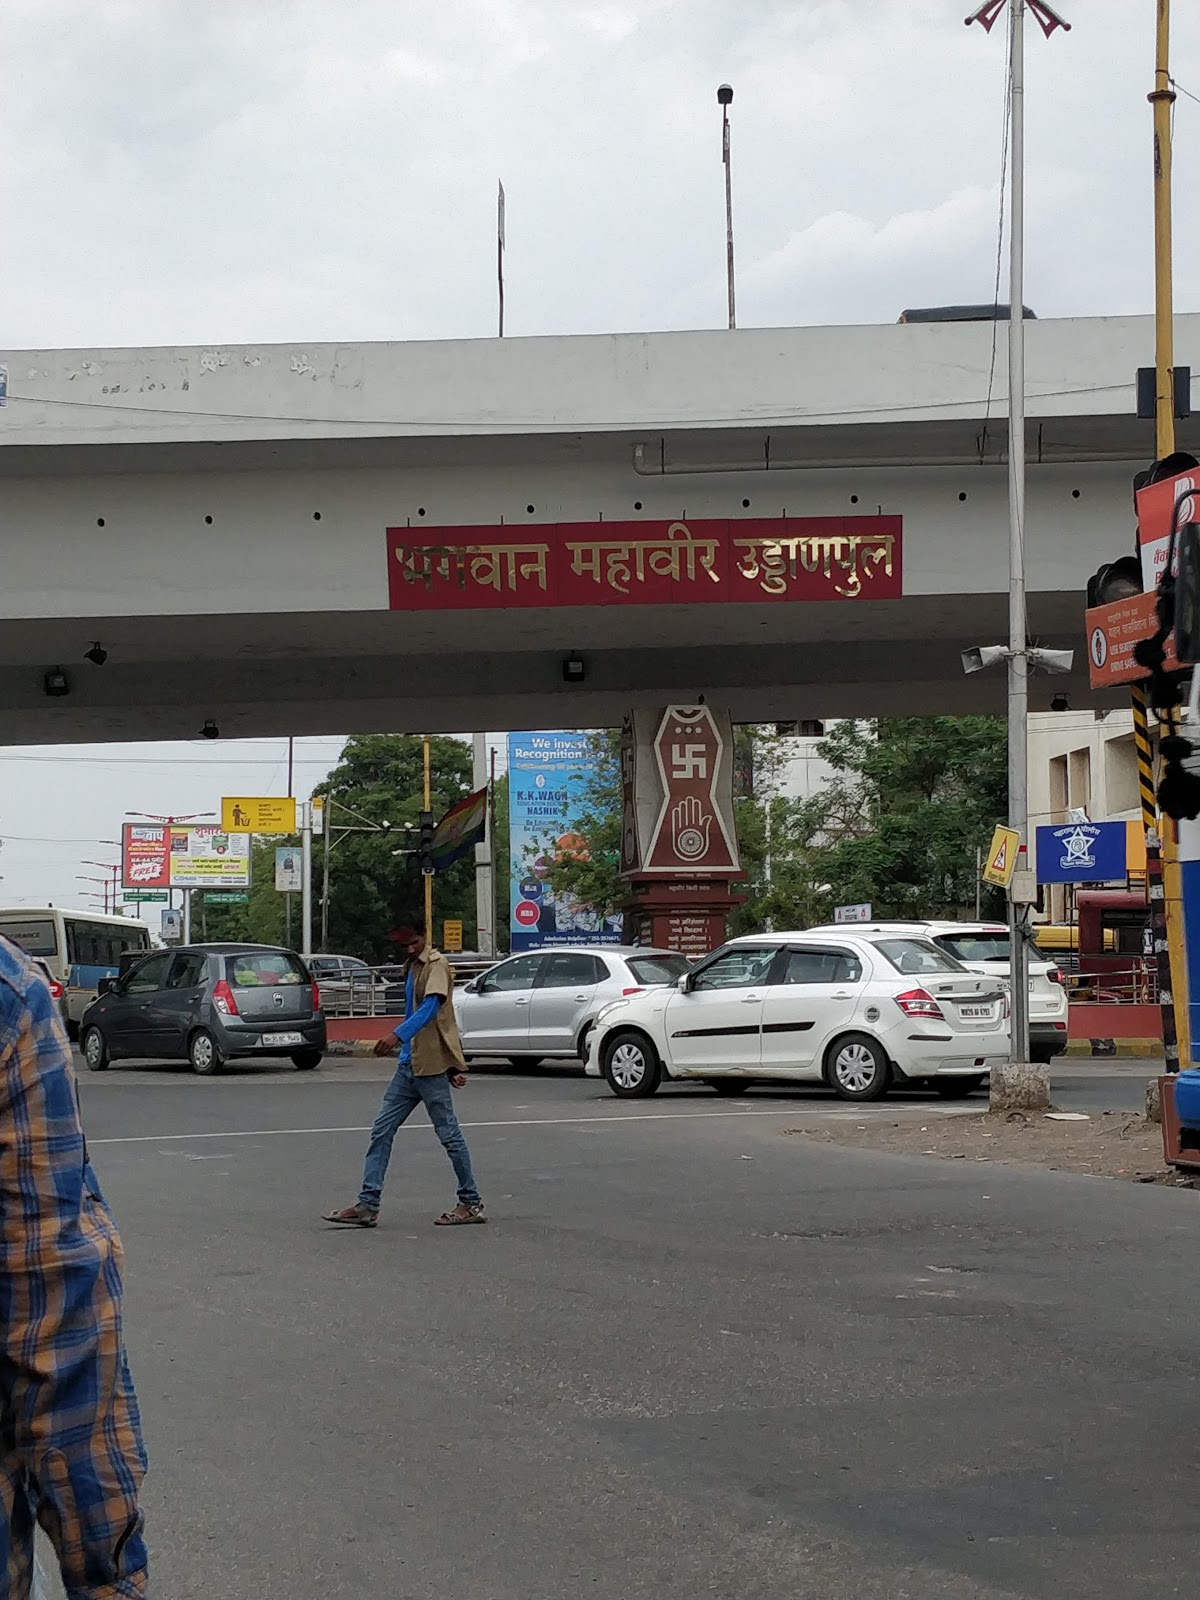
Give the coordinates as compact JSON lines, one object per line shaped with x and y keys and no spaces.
{"x":725,"y":100}
{"x":1018,"y":645}
{"x":1018,"y":664}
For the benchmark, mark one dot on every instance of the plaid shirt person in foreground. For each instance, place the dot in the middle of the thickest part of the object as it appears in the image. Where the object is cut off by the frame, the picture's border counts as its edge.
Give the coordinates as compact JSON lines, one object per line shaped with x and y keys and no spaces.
{"x":71,"y":1451}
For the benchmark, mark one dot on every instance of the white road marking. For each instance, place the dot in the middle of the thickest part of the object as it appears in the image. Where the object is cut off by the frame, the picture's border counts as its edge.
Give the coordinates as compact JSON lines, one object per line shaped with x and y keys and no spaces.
{"x":610,"y":1121}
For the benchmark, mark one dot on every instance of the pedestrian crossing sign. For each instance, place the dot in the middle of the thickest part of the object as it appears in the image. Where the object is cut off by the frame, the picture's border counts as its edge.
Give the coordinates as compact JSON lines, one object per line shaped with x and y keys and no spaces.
{"x":1002,"y":857}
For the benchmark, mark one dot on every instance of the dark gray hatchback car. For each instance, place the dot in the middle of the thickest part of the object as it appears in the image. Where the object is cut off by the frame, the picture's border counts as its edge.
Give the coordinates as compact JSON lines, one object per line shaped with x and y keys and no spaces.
{"x":206,"y":1003}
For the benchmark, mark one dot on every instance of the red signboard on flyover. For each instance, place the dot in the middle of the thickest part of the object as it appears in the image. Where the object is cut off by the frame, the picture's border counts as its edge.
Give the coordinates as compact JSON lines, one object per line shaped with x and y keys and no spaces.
{"x":645,"y":563}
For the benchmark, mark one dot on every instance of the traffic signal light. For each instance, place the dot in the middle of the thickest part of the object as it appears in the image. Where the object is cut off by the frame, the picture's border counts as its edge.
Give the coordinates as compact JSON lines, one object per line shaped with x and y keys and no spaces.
{"x":425,"y":848}
{"x":1115,"y":580}
{"x":1178,"y":610}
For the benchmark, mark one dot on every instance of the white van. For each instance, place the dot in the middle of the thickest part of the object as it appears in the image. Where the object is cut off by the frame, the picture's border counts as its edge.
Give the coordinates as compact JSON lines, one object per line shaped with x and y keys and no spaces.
{"x":78,"y":947}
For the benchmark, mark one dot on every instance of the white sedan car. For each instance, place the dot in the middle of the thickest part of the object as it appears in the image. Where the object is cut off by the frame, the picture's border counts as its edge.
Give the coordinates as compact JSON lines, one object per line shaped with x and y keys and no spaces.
{"x":983,"y":947}
{"x":855,"y":1010}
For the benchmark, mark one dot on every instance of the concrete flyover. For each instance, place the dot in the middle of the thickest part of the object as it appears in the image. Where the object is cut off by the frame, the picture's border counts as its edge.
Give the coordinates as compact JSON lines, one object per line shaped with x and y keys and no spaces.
{"x":218,"y":520}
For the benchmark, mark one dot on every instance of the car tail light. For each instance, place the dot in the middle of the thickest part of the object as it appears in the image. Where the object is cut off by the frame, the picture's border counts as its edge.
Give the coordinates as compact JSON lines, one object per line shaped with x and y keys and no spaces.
{"x":1056,"y":976}
{"x":919,"y":1003}
{"x":316,"y":997}
{"x":223,"y":999}
{"x":638,"y":989}
{"x":56,"y":989}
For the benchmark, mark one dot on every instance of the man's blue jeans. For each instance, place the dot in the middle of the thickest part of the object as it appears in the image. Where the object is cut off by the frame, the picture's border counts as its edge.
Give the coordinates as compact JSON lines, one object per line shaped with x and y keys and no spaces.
{"x":402,"y":1097}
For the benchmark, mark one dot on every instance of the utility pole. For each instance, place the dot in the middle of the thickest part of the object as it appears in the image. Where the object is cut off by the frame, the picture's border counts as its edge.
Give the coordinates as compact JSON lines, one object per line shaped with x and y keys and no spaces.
{"x":1162,"y":99}
{"x":306,"y":881}
{"x":1017,"y":654}
{"x":725,"y":100}
{"x":326,"y":824}
{"x":485,"y":899}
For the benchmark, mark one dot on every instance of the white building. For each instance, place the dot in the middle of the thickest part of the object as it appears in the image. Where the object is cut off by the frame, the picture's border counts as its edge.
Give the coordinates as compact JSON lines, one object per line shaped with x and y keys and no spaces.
{"x":1077,"y":759}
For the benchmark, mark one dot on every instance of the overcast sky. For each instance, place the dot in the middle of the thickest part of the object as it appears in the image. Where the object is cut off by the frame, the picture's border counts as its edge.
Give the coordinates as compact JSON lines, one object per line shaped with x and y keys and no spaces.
{"x":298,"y":170}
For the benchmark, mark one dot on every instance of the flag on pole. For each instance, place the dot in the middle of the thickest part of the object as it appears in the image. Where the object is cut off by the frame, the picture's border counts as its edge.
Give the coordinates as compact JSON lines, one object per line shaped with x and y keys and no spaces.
{"x":460,"y":830}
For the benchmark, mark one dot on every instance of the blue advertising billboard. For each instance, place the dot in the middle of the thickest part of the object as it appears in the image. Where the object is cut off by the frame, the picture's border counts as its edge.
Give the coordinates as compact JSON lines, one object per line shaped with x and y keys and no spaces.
{"x":547,"y":775}
{"x":1082,"y":852}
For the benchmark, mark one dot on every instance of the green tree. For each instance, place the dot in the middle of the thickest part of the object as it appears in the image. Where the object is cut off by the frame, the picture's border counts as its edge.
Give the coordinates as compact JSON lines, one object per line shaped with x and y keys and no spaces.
{"x":913,"y":799}
{"x":777,"y":837}
{"x":378,"y":781}
{"x":376,"y":787}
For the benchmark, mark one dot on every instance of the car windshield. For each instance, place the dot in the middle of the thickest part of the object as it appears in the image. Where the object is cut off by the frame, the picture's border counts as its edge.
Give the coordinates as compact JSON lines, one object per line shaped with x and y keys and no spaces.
{"x":913,"y":957}
{"x":658,"y":969}
{"x":975,"y":946}
{"x":270,"y":968}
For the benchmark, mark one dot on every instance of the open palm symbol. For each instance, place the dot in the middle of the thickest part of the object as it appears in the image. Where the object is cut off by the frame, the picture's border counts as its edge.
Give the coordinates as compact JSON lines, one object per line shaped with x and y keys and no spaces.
{"x":690,"y":829}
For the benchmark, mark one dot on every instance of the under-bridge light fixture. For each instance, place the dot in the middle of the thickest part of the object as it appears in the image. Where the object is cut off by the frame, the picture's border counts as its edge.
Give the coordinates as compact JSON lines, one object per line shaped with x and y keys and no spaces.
{"x":574,"y":669}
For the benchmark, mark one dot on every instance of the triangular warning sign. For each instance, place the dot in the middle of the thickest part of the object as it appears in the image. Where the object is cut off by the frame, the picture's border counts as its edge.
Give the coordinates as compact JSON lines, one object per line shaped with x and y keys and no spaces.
{"x":999,"y":862}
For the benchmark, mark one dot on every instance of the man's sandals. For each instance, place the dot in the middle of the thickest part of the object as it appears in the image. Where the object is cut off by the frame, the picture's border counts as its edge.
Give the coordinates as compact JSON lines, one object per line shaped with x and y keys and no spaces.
{"x":461,"y":1217}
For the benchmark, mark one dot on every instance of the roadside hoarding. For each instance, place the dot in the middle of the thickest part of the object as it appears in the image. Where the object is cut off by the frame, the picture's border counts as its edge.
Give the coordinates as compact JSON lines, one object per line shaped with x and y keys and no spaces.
{"x":289,"y":869}
{"x":258,"y":814}
{"x":207,"y":857}
{"x":145,"y":860}
{"x":547,"y":778}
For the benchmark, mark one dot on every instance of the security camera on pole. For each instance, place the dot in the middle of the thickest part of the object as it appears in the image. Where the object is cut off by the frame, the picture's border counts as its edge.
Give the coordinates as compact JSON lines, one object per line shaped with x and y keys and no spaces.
{"x":1021,"y":1082}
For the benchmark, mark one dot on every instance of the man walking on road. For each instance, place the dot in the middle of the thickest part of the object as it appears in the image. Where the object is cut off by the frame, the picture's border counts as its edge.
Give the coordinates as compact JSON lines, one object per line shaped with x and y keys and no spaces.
{"x":71,"y":1454}
{"x":431,"y":1063}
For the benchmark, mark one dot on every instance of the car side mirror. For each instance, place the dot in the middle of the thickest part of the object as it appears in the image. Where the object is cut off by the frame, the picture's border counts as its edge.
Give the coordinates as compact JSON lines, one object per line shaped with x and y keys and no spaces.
{"x":684,"y":982}
{"x":472,"y":987}
{"x":106,"y":986}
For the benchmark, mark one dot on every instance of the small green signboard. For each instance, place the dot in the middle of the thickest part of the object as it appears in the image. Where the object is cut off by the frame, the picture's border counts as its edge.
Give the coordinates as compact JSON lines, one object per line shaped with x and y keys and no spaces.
{"x":145,"y":896}
{"x":226,"y":897}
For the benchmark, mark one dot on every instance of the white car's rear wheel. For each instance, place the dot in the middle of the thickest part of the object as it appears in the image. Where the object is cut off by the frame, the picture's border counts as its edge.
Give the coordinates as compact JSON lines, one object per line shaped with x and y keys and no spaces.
{"x":857,"y":1067}
{"x":631,"y":1065}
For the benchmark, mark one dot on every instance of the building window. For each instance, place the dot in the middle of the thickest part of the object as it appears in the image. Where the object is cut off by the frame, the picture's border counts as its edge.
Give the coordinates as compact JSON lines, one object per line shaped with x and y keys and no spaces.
{"x":1058,"y":788}
{"x":1120,"y":776}
{"x":1079,"y":776}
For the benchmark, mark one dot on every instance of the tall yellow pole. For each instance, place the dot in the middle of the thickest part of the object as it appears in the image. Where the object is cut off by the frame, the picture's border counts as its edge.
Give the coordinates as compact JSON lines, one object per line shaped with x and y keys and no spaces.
{"x":1162,"y":99}
{"x":427,"y":802}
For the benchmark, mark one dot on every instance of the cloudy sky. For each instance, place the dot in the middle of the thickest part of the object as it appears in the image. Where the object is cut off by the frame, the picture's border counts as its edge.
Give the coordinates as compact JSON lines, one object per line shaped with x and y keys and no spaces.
{"x":290,"y":170}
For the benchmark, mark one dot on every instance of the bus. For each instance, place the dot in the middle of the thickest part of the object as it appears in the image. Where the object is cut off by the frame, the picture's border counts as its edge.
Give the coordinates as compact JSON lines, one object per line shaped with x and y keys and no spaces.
{"x":79,"y":948}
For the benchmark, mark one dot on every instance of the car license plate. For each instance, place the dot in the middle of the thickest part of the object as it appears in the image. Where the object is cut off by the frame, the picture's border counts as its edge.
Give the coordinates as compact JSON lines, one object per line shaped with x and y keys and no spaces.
{"x":975,"y":1013}
{"x":286,"y":1038}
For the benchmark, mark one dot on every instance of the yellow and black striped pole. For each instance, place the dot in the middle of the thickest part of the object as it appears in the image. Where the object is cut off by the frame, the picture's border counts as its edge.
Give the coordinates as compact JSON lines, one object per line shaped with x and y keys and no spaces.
{"x":1154,"y":878}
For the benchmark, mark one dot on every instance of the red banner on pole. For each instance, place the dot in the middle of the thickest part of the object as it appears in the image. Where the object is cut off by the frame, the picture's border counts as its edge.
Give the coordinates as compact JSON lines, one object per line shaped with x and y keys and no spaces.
{"x":645,"y":563}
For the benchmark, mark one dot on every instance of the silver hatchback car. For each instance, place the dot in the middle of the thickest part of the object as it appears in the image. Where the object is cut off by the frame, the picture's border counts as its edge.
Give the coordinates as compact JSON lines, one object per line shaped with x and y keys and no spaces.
{"x":541,"y":1006}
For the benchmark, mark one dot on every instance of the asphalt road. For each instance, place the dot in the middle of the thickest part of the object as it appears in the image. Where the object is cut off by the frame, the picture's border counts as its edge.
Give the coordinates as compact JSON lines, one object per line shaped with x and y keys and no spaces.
{"x":689,"y":1356}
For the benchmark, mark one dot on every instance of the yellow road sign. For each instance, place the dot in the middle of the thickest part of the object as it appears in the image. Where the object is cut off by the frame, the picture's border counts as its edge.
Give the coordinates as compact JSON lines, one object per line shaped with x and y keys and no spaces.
{"x":1002,"y":857}
{"x":258,"y":814}
{"x":452,"y":937}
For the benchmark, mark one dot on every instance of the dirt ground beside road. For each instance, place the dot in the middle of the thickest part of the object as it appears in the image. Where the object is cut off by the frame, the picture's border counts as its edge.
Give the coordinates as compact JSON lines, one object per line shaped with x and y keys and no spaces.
{"x":1111,"y":1144}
